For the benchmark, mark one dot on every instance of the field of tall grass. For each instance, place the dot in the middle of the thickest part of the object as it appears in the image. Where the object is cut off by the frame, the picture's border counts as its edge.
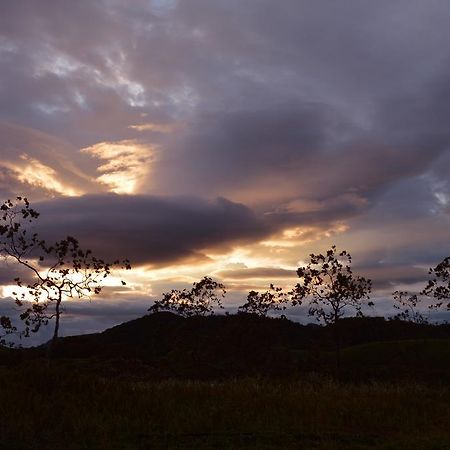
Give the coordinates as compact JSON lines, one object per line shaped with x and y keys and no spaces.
{"x":55,"y":406}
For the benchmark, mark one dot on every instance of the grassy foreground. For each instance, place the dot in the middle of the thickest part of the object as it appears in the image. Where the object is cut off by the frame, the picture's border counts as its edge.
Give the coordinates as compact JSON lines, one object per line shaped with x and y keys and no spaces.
{"x":59,"y":407}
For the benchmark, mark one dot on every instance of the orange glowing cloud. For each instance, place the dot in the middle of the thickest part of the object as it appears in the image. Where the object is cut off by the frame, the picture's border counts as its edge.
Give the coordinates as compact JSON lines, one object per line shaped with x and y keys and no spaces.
{"x":127,"y":162}
{"x":34,"y":173}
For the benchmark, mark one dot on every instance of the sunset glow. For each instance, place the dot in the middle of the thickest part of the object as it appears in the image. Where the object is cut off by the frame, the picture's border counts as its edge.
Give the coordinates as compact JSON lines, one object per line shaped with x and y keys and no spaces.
{"x":126,"y":164}
{"x":37,"y":175}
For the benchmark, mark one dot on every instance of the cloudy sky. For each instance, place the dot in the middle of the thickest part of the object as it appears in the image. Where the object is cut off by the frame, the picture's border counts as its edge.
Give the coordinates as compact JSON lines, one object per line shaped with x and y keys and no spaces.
{"x":229,"y":138}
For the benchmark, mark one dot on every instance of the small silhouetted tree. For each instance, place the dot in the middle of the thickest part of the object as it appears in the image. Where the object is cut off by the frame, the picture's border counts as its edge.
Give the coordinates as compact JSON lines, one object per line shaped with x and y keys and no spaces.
{"x":438,"y":287}
{"x":435,"y":295}
{"x":58,"y":272}
{"x":200,"y":300}
{"x":261,"y":303}
{"x":406,"y":304}
{"x":330,"y":289}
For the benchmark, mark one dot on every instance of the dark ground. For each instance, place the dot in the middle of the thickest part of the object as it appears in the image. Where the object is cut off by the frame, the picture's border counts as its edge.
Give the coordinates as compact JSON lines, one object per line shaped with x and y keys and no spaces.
{"x":234,"y":382}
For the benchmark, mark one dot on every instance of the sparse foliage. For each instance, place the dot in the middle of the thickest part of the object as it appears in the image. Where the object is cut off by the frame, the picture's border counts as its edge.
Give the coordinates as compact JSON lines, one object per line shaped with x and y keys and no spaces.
{"x":438,"y":288}
{"x":6,"y":328}
{"x":435,"y":295}
{"x":406,"y":304}
{"x":16,"y":240}
{"x":58,"y":272}
{"x":329,"y":286}
{"x":200,"y":300}
{"x":260,"y":303}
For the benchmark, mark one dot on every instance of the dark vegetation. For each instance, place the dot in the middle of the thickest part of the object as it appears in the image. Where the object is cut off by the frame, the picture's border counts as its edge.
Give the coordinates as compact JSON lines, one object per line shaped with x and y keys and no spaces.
{"x":164,"y":345}
{"x":198,"y":301}
{"x":233,"y":382}
{"x":62,"y":408}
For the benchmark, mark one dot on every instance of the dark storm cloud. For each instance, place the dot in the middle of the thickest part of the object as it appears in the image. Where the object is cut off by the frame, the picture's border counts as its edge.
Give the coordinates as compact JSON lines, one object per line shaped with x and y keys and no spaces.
{"x":162,"y":230}
{"x":152,"y":230}
{"x":9,"y":270}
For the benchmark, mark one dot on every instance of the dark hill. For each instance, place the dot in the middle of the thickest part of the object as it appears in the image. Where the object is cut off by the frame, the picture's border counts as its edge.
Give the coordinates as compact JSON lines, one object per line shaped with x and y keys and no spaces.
{"x":167,"y":345}
{"x":215,"y":345}
{"x":244,"y":344}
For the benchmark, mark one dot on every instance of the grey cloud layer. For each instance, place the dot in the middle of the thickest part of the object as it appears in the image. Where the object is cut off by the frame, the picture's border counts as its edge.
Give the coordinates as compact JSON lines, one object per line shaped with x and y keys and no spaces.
{"x":149,"y":230}
{"x":306,"y":111}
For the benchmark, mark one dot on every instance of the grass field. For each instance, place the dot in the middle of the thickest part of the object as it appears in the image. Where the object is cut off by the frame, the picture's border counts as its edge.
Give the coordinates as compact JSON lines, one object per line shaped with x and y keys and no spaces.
{"x":59,"y":407}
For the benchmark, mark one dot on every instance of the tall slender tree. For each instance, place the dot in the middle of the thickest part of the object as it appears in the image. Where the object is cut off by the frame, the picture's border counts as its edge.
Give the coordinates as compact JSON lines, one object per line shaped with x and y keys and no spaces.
{"x":57,"y":272}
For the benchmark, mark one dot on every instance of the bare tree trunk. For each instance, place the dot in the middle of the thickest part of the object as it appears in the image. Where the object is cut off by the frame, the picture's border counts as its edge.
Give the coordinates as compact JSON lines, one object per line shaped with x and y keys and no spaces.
{"x":58,"y":314}
{"x":52,"y":343}
{"x":337,"y":339}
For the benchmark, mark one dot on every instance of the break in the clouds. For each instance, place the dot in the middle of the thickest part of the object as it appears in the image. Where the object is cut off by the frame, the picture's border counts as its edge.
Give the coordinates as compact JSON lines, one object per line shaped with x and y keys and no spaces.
{"x":312,"y":121}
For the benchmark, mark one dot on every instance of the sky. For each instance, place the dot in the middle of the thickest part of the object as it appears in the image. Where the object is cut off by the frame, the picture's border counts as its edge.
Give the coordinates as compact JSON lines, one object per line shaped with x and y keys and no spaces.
{"x":229,"y":138}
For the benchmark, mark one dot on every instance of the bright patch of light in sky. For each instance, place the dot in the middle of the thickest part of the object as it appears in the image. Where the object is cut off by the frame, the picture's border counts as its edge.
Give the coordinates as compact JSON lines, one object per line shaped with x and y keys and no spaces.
{"x":56,"y":64}
{"x":156,"y":127}
{"x":297,"y":236}
{"x":127,"y":163}
{"x":50,"y":109}
{"x":36,"y":174}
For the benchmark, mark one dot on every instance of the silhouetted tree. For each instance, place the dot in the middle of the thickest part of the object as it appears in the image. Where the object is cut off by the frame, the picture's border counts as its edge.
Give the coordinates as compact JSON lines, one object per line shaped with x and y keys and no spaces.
{"x":435,"y":295}
{"x":438,"y":288}
{"x":406,"y":304}
{"x":200,"y":300}
{"x":260,"y":303}
{"x":58,"y":272}
{"x":330,"y":288}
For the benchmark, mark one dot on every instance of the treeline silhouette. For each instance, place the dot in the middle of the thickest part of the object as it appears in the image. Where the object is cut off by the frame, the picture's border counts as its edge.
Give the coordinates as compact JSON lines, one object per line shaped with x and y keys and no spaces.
{"x":327,"y":287}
